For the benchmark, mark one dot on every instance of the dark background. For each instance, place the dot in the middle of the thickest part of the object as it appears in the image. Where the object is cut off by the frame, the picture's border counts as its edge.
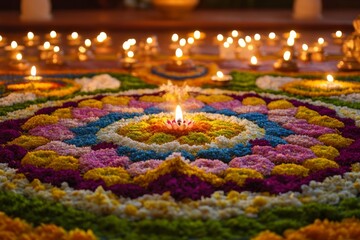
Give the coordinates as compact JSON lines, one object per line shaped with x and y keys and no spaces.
{"x":96,"y":4}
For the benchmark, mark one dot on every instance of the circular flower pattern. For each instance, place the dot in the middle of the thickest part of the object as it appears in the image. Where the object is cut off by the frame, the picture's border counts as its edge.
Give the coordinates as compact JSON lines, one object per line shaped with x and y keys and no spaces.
{"x":235,"y":142}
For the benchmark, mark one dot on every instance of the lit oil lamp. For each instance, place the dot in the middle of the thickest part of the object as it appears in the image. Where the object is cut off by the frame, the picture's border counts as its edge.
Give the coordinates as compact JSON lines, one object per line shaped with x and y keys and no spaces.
{"x":179,"y":123}
{"x":180,"y":63}
{"x":33,"y":76}
{"x":318,"y":54}
{"x":197,"y":35}
{"x":218,"y":39}
{"x":102,"y":39}
{"x":174,"y":41}
{"x":338,"y":37}
{"x":56,"y":57}
{"x":286,"y":64}
{"x":254,"y":64}
{"x":19,"y":63}
{"x":221,"y":77}
{"x":45,"y":50}
{"x":53,"y":37}
{"x":13,"y":49}
{"x":31,"y":40}
{"x":330,"y":81}
{"x":257,"y":39}
{"x":151,"y":46}
{"x":129,"y":61}
{"x":102,"y":43}
{"x":305,"y":55}
{"x":87,"y":43}
{"x":74,"y":39}
{"x":272,"y":39}
{"x":174,"y":37}
{"x":235,"y":34}
{"x":321,"y":43}
{"x":85,"y":52}
{"x":292,"y":34}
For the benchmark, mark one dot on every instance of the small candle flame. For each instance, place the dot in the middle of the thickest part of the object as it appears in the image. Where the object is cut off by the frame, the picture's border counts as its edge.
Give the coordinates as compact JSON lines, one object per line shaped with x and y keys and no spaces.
{"x":178,"y":115}
{"x":338,"y":34}
{"x":46,"y":45}
{"x":182,"y":42}
{"x":149,"y":40}
{"x":234,"y":33}
{"x":53,"y":34}
{"x":101,"y":37}
{"x":56,"y":49}
{"x":330,"y":78}
{"x":230,"y":40}
{"x":257,"y":37}
{"x":81,"y":49}
{"x":253,"y":60}
{"x":197,"y":34}
{"x":19,"y":56}
{"x":290,"y":42}
{"x":33,"y":71}
{"x":321,"y":41}
{"x":287,"y":55}
{"x":126,"y":45}
{"x":272,"y":35}
{"x":247,"y":39}
{"x":220,"y":74}
{"x":87,"y":43}
{"x":30,"y":35}
{"x":191,"y":40}
{"x":74,"y":35}
{"x":1,"y":38}
{"x":174,"y":37}
{"x":220,"y":37}
{"x":178,"y":53}
{"x":14,"y":44}
{"x":242,"y":43}
{"x":226,"y":45}
{"x":130,"y":54}
{"x":305,"y":47}
{"x":292,"y":34}
{"x":132,"y":41}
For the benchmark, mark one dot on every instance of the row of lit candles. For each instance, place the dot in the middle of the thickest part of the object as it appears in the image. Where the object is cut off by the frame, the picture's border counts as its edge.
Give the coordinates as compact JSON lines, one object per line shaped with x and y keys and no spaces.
{"x":73,"y":39}
{"x":129,"y":46}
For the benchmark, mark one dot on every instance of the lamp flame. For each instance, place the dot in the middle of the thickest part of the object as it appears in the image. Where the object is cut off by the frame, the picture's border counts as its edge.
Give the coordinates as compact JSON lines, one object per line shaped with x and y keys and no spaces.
{"x":253,"y":60}
{"x":178,"y":115}
{"x":219,"y":74}
{"x":14,"y":44}
{"x":178,"y":53}
{"x":291,"y":41}
{"x":33,"y":71}
{"x":287,"y":55}
{"x":30,"y":35}
{"x":292,"y":34}
{"x":330,"y":78}
{"x":19,"y":56}
{"x":272,"y":35}
{"x":53,"y":34}
{"x":74,"y":35}
{"x":174,"y":37}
